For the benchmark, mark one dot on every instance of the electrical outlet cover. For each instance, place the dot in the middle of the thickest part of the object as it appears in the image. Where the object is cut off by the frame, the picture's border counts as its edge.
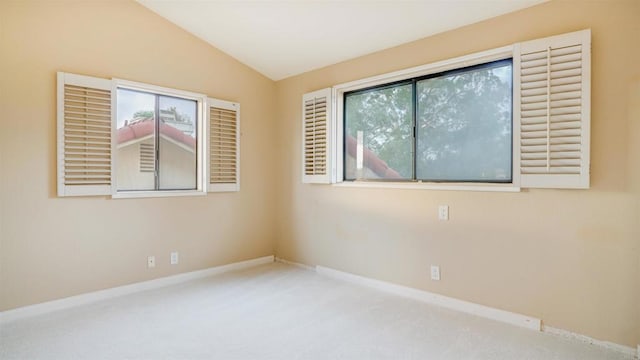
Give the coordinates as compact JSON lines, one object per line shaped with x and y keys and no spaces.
{"x":443,"y":212}
{"x":435,"y":272}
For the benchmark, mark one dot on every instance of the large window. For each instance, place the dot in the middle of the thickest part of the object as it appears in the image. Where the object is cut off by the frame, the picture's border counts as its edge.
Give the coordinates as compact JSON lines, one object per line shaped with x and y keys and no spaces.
{"x":453,"y":126}
{"x":503,"y":119}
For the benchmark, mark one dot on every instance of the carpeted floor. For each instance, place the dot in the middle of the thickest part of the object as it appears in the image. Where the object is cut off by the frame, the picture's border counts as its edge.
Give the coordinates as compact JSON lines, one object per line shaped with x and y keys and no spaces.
{"x":275,"y":311}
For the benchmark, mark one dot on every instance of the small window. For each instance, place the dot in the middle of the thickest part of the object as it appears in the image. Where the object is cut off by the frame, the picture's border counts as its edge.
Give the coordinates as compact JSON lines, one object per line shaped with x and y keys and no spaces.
{"x":156,"y":141}
{"x":127,"y":139}
{"x":454,"y":126}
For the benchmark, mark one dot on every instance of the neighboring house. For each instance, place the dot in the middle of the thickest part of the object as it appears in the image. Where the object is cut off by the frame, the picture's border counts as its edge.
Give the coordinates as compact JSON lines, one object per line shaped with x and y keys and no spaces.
{"x":136,"y":158}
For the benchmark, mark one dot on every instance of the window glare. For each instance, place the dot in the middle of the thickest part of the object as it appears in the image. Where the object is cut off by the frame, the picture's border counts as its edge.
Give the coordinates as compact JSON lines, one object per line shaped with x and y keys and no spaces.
{"x":464,"y":126}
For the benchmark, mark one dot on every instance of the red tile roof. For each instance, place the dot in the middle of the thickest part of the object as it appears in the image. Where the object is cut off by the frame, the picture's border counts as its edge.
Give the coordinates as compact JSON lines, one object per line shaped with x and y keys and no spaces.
{"x":372,"y":161}
{"x":146,"y":127}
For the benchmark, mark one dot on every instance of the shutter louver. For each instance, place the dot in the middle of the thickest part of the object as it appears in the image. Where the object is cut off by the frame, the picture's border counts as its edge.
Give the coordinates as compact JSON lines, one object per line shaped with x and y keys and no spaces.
{"x":316,"y":137}
{"x":85,"y":108}
{"x":224,"y":146}
{"x":554,"y":110}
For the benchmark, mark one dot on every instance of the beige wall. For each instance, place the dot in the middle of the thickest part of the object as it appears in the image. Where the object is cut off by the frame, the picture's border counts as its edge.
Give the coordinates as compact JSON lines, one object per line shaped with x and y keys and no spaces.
{"x":571,"y":258}
{"x":54,"y":247}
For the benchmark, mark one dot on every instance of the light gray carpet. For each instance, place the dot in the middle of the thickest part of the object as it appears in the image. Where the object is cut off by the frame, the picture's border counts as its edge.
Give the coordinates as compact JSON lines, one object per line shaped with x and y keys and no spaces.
{"x":275,"y":311}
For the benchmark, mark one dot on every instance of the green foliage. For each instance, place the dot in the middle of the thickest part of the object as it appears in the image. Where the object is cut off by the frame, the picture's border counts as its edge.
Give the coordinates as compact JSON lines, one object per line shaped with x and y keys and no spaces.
{"x":463,"y":125}
{"x":143,"y":114}
{"x":385,"y":116}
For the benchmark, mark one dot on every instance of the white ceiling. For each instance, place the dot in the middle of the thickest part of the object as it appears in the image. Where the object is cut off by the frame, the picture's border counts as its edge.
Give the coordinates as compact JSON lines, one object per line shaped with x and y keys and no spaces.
{"x":282,"y":38}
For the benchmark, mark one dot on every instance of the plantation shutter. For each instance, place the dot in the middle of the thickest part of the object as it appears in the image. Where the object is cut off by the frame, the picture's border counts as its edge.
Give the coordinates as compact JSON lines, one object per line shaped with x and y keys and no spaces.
{"x":316,"y":137}
{"x":554,"y":110}
{"x":224,"y":146}
{"x":85,"y":135}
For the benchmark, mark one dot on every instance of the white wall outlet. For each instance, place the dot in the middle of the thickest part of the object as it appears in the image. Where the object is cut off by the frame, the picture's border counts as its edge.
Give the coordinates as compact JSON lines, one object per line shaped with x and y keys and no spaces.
{"x":151,"y":261}
{"x":174,"y":258}
{"x":435,"y":272}
{"x":443,"y":212}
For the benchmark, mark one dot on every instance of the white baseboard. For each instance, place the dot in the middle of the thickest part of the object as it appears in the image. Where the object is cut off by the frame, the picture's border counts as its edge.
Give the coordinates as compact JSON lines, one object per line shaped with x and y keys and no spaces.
{"x":304,"y":266}
{"x":436,"y":299}
{"x":65,"y":303}
{"x":627,"y":350}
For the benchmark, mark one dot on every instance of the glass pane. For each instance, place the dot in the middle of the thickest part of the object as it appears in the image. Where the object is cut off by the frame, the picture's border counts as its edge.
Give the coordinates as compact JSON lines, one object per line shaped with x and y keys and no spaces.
{"x":379,"y":134}
{"x":464,"y":125}
{"x":177,"y":160}
{"x":135,"y":140}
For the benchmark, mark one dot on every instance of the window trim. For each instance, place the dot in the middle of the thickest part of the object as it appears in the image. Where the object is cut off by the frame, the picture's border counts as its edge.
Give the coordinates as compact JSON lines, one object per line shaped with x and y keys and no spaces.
{"x":201,"y":156}
{"x":338,"y":92}
{"x":132,"y":194}
{"x":422,"y":185}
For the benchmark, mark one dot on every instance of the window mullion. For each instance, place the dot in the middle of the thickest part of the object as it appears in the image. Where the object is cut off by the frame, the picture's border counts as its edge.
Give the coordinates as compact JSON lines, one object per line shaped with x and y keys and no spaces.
{"x":157,"y":141}
{"x":414,"y":115}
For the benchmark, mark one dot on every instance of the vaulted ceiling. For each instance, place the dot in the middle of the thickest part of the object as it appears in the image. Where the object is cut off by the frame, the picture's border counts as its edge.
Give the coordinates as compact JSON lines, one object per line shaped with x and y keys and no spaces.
{"x":284,"y":38}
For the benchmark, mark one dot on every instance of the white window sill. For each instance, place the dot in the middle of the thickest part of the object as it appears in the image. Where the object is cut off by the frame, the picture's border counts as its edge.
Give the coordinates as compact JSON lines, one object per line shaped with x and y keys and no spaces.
{"x":156,"y":194}
{"x":430,"y":186}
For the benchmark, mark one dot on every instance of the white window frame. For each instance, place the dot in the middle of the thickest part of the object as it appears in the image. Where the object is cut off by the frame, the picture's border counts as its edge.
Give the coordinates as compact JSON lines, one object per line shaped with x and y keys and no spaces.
{"x":338,"y":91}
{"x":201,"y":156}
